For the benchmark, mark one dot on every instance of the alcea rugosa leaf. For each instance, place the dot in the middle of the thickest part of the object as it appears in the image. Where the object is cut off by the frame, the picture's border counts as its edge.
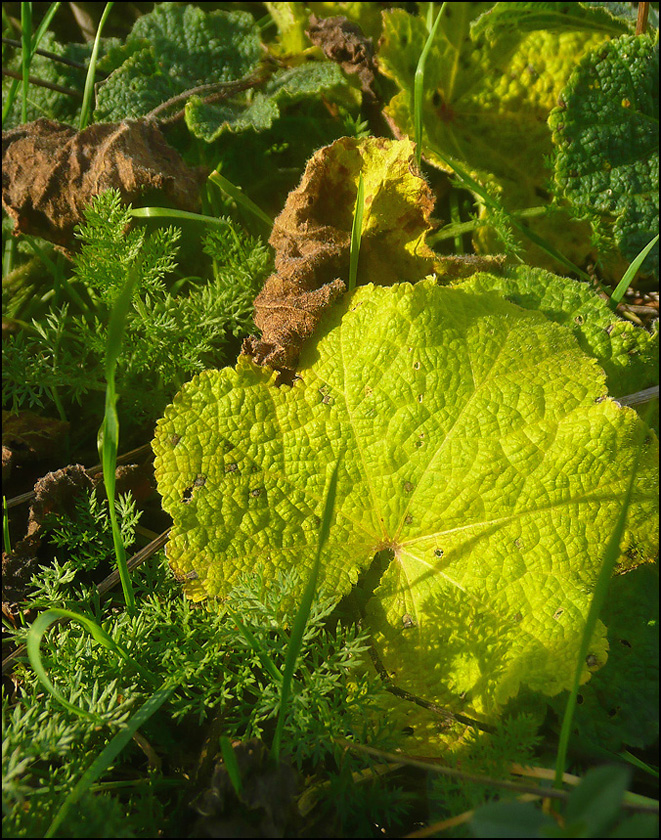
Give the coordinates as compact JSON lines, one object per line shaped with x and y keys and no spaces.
{"x":478,"y":446}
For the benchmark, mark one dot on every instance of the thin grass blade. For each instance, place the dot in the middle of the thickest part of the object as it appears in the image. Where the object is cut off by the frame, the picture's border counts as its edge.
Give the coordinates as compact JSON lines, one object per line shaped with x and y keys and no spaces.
{"x":173,"y":213}
{"x":240,"y":197}
{"x":103,"y":761}
{"x":298,"y":629}
{"x":630,"y":273}
{"x":26,"y":56}
{"x":108,"y":437}
{"x":39,"y":34}
{"x":6,"y":539}
{"x":611,"y":555}
{"x":419,"y":85}
{"x":356,"y":233}
{"x":265,"y":659}
{"x":33,"y":643}
{"x":86,"y":108}
{"x":231,"y":764}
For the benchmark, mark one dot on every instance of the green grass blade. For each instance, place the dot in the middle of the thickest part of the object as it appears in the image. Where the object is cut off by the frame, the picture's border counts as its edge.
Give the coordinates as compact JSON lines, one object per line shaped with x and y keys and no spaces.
{"x":39,"y":34}
{"x":43,"y":26}
{"x":356,"y":233}
{"x":86,"y":108}
{"x":41,"y":624}
{"x":630,"y":273}
{"x":476,"y":188}
{"x":611,"y":555}
{"x":231,"y":764}
{"x":108,"y":437}
{"x":240,"y":197}
{"x":173,"y":213}
{"x":296,"y":639}
{"x":6,"y":540}
{"x":419,"y":85}
{"x":103,"y":761}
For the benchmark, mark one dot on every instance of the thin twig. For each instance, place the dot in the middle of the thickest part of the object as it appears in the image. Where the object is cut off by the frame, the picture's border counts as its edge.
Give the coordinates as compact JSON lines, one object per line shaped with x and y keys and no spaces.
{"x":121,"y":459}
{"x":432,"y":767}
{"x":43,"y":83}
{"x":60,"y":59}
{"x":215,"y":92}
{"x":640,"y":397}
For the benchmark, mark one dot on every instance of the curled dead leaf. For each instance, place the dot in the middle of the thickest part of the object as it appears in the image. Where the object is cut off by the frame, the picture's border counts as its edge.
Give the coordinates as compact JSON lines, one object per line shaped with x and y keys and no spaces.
{"x":312,"y":239}
{"x":50,"y":172}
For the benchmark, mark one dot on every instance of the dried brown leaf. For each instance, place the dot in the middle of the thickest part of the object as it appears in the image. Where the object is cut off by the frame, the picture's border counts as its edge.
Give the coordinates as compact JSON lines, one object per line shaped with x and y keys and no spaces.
{"x":50,"y":172}
{"x":343,"y":42}
{"x":312,"y":238}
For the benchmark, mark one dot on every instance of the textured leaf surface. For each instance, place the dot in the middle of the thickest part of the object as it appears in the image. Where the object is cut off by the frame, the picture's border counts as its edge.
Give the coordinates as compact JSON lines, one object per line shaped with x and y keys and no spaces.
{"x":209,"y":120}
{"x":181,"y":47}
{"x":607,"y":137}
{"x":485,"y":105}
{"x":473,"y":449}
{"x":628,"y":354}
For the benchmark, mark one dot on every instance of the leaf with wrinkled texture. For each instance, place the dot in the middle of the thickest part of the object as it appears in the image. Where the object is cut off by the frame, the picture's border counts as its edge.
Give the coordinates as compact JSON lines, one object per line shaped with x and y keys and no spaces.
{"x":478,"y":450}
{"x":606,"y":134}
{"x":628,"y":354}
{"x":312,"y":234}
{"x":181,"y":48}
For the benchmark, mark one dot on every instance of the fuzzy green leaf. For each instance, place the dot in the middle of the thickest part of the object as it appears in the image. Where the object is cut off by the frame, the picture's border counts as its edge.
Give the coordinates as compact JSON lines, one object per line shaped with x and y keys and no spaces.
{"x":182,"y":47}
{"x":606,"y":133}
{"x":628,"y":354}
{"x":478,"y":450}
{"x":209,"y":120}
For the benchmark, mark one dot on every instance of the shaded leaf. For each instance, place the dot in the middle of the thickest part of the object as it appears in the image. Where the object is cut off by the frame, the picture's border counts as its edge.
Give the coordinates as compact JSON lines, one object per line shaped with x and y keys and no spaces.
{"x":553,"y":17}
{"x":620,"y":704}
{"x":485,"y":105}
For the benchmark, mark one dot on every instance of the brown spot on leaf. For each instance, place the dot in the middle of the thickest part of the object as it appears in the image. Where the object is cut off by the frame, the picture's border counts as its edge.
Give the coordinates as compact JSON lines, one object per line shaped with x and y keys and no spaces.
{"x":50,"y":172}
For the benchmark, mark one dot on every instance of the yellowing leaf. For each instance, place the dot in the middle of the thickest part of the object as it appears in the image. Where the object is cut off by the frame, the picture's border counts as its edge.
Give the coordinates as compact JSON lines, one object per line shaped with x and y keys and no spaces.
{"x":485,"y":104}
{"x":479,"y":452}
{"x":312,"y":238}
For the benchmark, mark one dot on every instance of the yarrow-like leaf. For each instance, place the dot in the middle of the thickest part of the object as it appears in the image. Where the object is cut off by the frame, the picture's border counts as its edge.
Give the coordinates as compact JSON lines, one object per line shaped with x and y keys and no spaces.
{"x":479,"y":450}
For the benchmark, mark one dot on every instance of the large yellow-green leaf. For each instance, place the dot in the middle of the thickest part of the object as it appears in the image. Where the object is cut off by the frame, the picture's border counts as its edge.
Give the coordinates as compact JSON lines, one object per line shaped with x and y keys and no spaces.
{"x":477,"y":446}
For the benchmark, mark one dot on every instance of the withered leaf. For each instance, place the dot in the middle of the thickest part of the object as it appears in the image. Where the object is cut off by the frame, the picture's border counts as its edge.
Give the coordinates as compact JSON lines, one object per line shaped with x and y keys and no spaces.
{"x":343,"y":41}
{"x":50,"y":172}
{"x":56,"y":493}
{"x":312,"y":238}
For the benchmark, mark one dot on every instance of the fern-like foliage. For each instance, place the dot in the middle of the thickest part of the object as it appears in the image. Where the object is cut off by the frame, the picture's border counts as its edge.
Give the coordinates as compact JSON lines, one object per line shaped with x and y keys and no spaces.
{"x":175,"y":328}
